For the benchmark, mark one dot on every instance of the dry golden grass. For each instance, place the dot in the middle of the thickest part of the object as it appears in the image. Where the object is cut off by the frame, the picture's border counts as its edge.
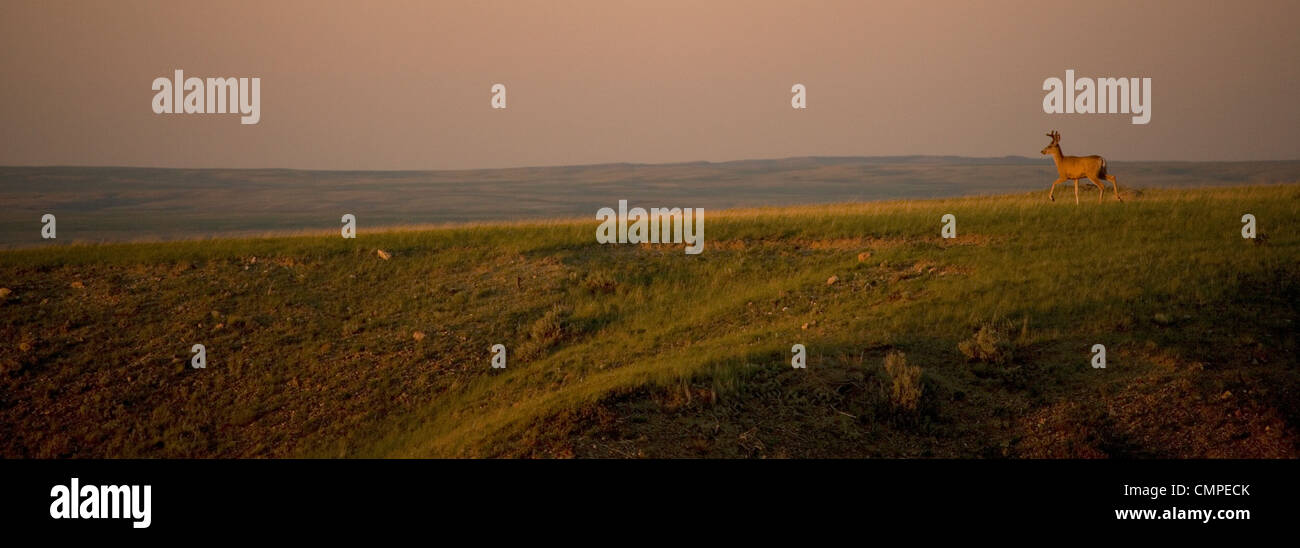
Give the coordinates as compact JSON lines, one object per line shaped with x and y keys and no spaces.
{"x":312,"y":346}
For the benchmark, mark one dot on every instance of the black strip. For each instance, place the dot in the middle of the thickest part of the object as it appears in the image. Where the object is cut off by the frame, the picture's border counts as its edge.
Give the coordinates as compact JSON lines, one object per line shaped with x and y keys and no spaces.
{"x":324,"y":497}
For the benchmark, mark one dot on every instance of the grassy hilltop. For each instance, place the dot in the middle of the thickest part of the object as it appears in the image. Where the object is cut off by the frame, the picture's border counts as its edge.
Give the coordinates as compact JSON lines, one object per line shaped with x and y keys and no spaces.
{"x":125,"y":204}
{"x":317,"y":346}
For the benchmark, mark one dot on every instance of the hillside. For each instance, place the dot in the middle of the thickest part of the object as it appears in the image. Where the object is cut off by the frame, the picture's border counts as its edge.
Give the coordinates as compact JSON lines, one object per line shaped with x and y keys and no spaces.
{"x":317,"y":346}
{"x":120,"y":204}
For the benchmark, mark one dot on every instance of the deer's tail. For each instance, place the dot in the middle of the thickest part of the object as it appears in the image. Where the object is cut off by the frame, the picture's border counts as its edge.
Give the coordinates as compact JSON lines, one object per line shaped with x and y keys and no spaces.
{"x":1102,"y":172}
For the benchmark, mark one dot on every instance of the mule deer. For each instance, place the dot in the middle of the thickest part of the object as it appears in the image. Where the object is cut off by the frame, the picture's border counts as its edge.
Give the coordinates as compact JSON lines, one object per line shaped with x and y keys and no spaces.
{"x":1078,"y":167}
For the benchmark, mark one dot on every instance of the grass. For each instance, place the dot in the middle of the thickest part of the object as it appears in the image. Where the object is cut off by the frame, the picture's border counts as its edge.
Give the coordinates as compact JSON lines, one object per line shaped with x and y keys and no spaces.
{"x":622,"y":350}
{"x":116,"y":204}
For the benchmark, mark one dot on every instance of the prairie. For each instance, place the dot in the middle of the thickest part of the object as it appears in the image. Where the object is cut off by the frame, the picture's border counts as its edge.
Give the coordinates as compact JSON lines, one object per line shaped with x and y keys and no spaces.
{"x":118,"y":204}
{"x":319,"y":347}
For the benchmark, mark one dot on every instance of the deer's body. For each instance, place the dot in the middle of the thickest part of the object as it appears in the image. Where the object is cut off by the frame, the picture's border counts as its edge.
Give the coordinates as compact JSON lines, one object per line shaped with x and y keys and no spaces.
{"x":1078,"y":167}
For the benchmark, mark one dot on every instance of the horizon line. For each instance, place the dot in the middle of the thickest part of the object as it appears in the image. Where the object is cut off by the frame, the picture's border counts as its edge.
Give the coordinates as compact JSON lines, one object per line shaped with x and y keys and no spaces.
{"x":1012,"y":157}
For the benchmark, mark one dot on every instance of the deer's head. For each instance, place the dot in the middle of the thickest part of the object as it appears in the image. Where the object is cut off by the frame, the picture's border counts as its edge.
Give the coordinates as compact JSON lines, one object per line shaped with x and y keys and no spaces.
{"x":1055,"y":146}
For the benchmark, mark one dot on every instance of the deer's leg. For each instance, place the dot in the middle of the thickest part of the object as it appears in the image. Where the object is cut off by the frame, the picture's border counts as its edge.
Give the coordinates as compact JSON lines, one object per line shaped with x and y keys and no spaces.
{"x":1101,"y":189}
{"x":1076,"y":192}
{"x":1051,"y":195}
{"x":1114,"y":184}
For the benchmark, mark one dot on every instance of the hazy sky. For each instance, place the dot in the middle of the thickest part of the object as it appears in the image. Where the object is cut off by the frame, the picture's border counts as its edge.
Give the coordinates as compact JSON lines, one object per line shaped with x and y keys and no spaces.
{"x":405,"y":85}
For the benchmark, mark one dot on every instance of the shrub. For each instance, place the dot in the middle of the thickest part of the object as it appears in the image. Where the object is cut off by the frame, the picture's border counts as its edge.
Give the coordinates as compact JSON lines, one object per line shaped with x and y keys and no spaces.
{"x":905,"y":382}
{"x":993,"y":343}
{"x":552,"y":328}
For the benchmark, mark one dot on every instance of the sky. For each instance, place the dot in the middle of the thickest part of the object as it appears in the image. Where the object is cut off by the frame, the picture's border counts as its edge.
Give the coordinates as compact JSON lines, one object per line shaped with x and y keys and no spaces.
{"x":389,"y":85}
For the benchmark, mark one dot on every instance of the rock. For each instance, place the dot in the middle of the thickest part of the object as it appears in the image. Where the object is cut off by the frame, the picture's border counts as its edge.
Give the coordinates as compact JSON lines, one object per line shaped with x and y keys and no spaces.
{"x":418,"y":336}
{"x":1163,"y":319}
{"x":24,"y":347}
{"x":4,"y":292}
{"x":864,"y":256}
{"x":831,"y":280}
{"x":77,"y":285}
{"x":383,"y":254}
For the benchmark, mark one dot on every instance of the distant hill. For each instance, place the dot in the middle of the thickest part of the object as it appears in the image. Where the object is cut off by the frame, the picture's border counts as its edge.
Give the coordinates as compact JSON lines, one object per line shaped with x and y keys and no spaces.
{"x":126,"y":203}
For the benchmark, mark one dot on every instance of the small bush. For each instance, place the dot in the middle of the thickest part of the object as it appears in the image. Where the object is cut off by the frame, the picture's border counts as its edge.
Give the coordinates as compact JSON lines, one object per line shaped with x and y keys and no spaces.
{"x":993,"y":343}
{"x":905,"y":382}
{"x":552,"y":328}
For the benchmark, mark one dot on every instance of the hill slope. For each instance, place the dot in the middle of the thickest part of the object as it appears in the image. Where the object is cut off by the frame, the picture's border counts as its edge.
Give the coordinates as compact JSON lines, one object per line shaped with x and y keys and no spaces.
{"x":318,"y":347}
{"x":114,"y":204}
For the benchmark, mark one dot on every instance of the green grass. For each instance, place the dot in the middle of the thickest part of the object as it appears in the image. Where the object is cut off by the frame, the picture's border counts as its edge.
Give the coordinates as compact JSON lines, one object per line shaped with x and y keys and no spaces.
{"x":622,"y":350}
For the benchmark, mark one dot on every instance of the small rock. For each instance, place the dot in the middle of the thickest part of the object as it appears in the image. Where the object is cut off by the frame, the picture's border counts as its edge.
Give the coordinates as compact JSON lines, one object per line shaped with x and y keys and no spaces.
{"x":805,"y":326}
{"x":418,"y":336}
{"x":864,"y":256}
{"x":1163,"y":319}
{"x":831,"y":280}
{"x":77,"y":285}
{"x":383,"y":254}
{"x":24,"y":347}
{"x":4,"y":292}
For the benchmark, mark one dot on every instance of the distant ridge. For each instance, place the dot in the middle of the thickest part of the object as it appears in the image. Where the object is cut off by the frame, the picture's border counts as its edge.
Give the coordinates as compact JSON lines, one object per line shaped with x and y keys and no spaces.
{"x":776,"y":163}
{"x":792,"y":160}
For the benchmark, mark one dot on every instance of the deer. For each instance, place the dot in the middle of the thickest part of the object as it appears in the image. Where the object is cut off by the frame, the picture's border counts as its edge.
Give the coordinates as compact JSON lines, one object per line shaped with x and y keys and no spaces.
{"x":1078,"y":167}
